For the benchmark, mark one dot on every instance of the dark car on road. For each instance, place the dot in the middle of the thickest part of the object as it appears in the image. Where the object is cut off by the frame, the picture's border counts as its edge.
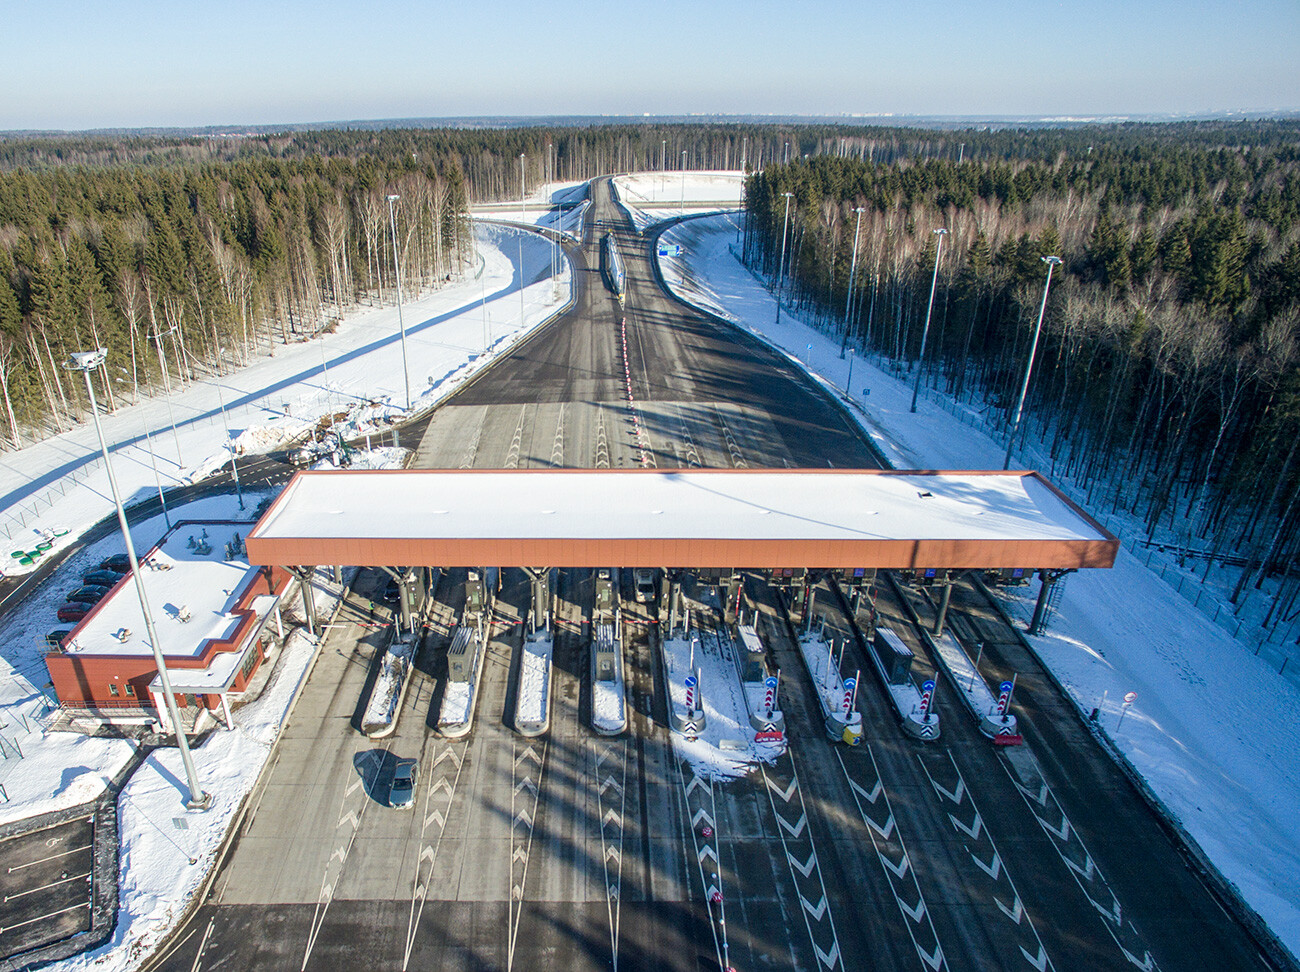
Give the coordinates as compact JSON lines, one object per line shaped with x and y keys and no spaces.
{"x":402,"y":793}
{"x":391,"y":593}
{"x":57,"y":637}
{"x":88,"y":593}
{"x":101,"y":578}
{"x":74,"y":611}
{"x":118,"y":562}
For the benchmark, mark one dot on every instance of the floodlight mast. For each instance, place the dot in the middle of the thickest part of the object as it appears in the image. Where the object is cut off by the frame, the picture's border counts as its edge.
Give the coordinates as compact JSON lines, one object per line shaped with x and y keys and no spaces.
{"x":1052,"y":262}
{"x":86,"y":362}
{"x":397,"y":279}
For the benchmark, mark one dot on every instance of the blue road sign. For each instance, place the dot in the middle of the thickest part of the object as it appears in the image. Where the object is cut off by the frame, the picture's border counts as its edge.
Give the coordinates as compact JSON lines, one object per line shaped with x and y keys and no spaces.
{"x":849,"y":683}
{"x":1004,"y":687}
{"x":927,"y":685}
{"x":690,"y":681}
{"x":770,"y":681}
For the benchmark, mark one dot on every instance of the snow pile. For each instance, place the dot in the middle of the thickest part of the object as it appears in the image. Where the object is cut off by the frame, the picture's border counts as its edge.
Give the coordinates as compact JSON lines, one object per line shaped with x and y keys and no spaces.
{"x":385,"y":457}
{"x":725,"y":747}
{"x":267,"y":438}
{"x":824,"y":669}
{"x":533,"y":704}
{"x":1119,"y":630}
{"x":390,"y":687}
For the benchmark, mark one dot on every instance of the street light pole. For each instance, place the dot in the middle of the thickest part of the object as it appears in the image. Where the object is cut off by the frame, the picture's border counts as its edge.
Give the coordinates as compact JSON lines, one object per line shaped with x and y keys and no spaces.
{"x":780,"y":270}
{"x":682,"y":207}
{"x":86,"y":362}
{"x":1051,"y":262}
{"x":853,"y":276}
{"x":397,"y":279}
{"x":941,"y":232}
{"x":234,"y":459}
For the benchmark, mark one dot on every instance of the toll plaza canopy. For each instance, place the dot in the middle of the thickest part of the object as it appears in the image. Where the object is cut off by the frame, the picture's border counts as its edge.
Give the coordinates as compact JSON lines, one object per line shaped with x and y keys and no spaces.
{"x":743,"y":518}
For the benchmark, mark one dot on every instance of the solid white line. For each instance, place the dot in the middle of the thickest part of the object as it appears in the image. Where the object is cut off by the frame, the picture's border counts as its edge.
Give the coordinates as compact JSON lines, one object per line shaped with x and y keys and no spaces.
{"x":52,"y":857}
{"x":44,"y":887}
{"x":198,"y":956}
{"x":52,"y":914}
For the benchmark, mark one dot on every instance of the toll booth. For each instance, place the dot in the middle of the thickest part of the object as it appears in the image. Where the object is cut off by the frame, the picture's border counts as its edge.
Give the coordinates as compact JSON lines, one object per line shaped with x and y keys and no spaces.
{"x":475,"y":592}
{"x":460,"y":658}
{"x":1009,"y":576}
{"x":787,"y":576}
{"x":856,"y":576}
{"x":604,"y":649}
{"x":606,"y":591}
{"x":894,"y":656}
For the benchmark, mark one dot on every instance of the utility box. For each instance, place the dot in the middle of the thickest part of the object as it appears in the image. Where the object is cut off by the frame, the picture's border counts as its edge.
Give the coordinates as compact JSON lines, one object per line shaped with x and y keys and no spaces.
{"x":460,"y":656}
{"x":604,"y":648}
{"x":475,"y":592}
{"x":895,"y":657}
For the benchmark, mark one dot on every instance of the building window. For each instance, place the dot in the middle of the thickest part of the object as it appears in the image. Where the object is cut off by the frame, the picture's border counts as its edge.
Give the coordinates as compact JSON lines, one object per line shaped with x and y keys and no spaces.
{"x":130,"y":690}
{"x":112,"y":689}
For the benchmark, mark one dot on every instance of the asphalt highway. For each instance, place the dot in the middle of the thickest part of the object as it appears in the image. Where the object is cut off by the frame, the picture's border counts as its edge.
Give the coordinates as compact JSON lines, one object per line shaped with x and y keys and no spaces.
{"x":582,"y":852}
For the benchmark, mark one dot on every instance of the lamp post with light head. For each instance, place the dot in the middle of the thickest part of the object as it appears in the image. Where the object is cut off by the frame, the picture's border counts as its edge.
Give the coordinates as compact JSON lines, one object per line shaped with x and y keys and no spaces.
{"x":86,"y":362}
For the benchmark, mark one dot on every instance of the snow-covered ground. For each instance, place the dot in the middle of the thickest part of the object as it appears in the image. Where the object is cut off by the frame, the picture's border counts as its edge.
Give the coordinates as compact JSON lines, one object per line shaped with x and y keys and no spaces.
{"x":552,"y":205}
{"x":390,"y":685}
{"x":649,"y":197}
{"x":725,"y":748}
{"x":1213,"y":729}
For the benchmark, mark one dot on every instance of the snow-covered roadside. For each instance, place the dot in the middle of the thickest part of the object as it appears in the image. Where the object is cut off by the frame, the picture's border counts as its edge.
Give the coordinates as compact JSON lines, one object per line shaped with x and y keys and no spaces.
{"x":559,"y":206}
{"x":1213,"y":728}
{"x":389,"y":688}
{"x":450,"y":335}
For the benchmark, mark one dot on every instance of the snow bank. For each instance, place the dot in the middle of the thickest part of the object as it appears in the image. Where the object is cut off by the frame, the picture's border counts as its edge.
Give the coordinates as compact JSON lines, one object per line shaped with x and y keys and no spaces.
{"x":386,"y":696}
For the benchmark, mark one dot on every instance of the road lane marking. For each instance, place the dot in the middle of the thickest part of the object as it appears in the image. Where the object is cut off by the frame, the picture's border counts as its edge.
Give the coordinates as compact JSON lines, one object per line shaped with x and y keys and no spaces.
{"x":52,"y":914}
{"x":46,"y":887}
{"x":52,"y":857}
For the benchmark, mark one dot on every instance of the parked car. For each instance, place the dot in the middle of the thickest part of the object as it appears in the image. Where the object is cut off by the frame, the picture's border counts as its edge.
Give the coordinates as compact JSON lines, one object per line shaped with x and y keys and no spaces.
{"x":118,"y":562}
{"x":101,"y":578}
{"x":391,"y":593}
{"x":57,"y":637}
{"x":88,"y":593}
{"x":74,"y":611}
{"x":645,"y":580}
{"x":401,"y":795}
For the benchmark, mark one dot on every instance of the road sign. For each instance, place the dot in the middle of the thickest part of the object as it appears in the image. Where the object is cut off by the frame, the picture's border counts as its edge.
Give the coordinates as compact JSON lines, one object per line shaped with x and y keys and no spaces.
{"x":770,"y":681}
{"x":670,"y":249}
{"x":690,"y":681}
{"x":1004,"y":697}
{"x":1130,"y":698}
{"x":849,"y":683}
{"x":927,"y":692}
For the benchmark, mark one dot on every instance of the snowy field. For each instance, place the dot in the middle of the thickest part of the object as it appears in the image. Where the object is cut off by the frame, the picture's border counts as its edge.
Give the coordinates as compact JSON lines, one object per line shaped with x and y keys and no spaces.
{"x":1213,"y":729}
{"x":553,"y":205}
{"x":650,"y":197}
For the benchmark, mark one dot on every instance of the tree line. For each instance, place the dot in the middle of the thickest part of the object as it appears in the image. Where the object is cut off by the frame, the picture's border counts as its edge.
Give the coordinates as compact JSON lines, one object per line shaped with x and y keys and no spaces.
{"x":182,"y":269}
{"x":1167,"y":380}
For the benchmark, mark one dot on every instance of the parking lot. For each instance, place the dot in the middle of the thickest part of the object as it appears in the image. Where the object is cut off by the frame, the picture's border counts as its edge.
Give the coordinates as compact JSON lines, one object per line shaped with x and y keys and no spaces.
{"x":46,"y":885}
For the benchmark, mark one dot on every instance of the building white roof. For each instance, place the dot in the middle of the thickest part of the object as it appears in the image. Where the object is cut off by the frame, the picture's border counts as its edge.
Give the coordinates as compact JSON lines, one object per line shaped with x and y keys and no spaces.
{"x":179,"y":582}
{"x":323,"y":515}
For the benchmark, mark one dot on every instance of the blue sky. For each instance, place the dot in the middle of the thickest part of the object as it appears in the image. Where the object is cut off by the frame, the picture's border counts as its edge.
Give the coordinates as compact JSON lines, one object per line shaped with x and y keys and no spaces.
{"x":69,"y":64}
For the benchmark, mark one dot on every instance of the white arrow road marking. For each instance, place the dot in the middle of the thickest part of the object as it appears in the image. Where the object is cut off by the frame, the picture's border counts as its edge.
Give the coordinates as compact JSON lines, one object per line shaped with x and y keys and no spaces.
{"x":526,"y":790}
{"x":804,"y":869}
{"x":701,"y":814}
{"x":796,"y":828}
{"x":1088,"y":869}
{"x":783,"y":794}
{"x":884,"y":831}
{"x":918,"y":915}
{"x":973,"y":831}
{"x":804,"y":863}
{"x":1146,"y":963}
{"x":992,"y":869}
{"x":423,"y":879}
{"x":932,"y":959}
{"x":817,"y":911}
{"x":1062,"y":832}
{"x":829,"y":959}
{"x":1015,"y":912}
{"x":898,"y":869}
{"x":1038,"y":961}
{"x":956,"y":794}
{"x":875,"y":790}
{"x":707,"y":851}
